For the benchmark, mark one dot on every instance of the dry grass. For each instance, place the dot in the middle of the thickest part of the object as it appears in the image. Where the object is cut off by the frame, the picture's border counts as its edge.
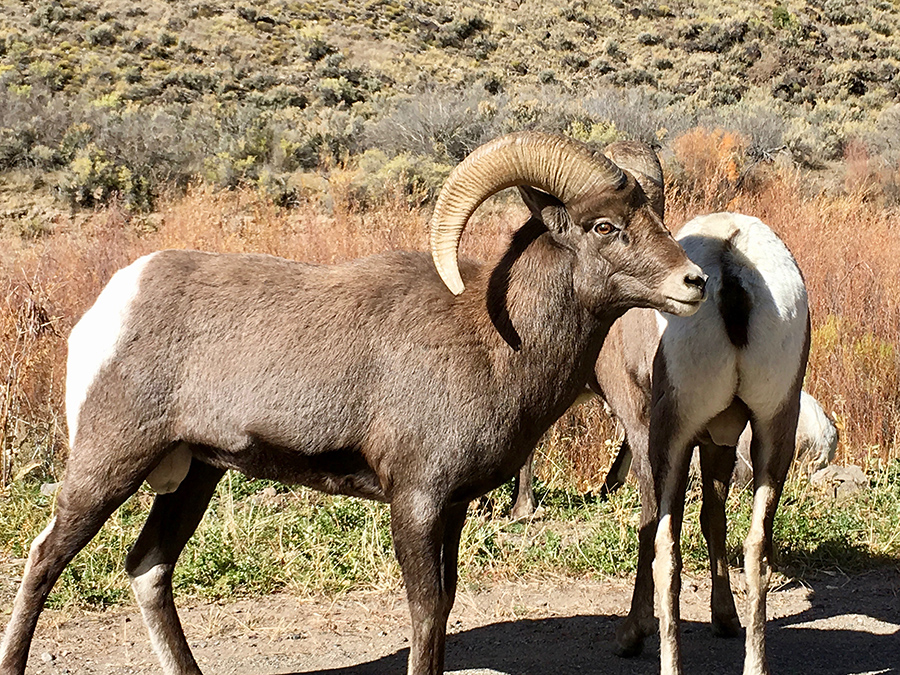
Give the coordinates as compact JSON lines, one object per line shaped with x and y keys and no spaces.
{"x":846,"y":245}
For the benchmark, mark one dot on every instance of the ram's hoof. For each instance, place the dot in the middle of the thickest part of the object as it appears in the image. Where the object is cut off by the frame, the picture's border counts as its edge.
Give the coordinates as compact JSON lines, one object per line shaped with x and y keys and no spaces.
{"x":726,"y":627}
{"x":629,"y":640}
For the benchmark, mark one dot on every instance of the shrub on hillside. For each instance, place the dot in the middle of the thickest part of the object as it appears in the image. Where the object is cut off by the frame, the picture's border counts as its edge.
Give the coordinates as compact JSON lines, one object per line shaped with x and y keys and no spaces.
{"x":94,"y":178}
{"x":720,"y":37}
{"x":762,"y":128}
{"x":103,"y":35}
{"x":872,"y":176}
{"x":637,"y":113}
{"x":445,"y":124}
{"x":418,"y":178}
{"x":457,"y":31}
{"x":842,"y":12}
{"x":708,"y":166}
{"x":316,"y":48}
{"x":884,"y":137}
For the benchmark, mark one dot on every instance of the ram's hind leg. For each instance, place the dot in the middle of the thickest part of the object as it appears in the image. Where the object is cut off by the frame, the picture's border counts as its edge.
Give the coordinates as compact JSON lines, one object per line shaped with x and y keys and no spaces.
{"x":525,"y":503}
{"x":151,"y":560}
{"x":771,"y":452}
{"x":88,"y":496}
{"x":716,"y":467}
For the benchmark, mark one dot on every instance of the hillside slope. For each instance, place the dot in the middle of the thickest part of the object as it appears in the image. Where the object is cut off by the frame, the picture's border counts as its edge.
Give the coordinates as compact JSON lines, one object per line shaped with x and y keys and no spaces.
{"x":102,"y":98}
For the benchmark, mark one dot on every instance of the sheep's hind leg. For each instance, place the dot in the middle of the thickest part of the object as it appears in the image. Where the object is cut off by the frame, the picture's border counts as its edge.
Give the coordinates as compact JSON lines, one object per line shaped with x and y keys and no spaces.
{"x":640,"y":622}
{"x":456,"y":518}
{"x":525,"y":504}
{"x":150,"y":562}
{"x":85,"y":501}
{"x":716,"y":467}
{"x":771,"y":451}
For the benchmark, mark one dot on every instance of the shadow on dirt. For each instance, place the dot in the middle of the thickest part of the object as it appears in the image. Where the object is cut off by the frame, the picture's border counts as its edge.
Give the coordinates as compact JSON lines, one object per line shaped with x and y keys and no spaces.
{"x":845,"y":631}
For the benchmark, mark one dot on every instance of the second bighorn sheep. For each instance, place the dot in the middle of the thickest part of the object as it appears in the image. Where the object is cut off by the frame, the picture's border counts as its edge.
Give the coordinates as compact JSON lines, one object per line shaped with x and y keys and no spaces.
{"x":743,"y":359}
{"x":677,"y":383}
{"x":368,"y":378}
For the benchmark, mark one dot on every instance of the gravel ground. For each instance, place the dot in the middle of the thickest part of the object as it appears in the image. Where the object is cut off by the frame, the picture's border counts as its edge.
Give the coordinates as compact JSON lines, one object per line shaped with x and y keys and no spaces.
{"x":835,"y":625}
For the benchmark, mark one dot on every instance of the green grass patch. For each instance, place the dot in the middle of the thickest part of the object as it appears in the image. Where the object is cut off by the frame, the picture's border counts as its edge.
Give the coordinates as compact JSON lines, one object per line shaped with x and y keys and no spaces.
{"x":259,"y":537}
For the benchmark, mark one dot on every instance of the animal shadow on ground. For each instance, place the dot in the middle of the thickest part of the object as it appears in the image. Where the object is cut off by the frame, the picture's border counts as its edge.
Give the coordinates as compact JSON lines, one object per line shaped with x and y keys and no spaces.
{"x":834,"y":636}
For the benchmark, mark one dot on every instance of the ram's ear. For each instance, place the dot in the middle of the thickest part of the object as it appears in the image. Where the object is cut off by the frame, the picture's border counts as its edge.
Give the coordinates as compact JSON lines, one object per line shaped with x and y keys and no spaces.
{"x":546,"y":208}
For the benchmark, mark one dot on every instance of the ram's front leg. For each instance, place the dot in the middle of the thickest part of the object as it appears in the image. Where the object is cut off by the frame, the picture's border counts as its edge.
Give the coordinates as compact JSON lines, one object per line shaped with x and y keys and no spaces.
{"x":426,"y":540}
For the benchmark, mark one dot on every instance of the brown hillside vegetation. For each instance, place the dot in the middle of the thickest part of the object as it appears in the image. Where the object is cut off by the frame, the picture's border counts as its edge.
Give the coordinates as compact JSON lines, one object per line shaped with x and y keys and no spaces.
{"x":847,"y":247}
{"x":105,"y":98}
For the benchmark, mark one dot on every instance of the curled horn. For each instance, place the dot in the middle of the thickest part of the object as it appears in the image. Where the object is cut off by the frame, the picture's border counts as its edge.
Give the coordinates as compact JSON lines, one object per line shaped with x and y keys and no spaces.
{"x":560,"y":166}
{"x":640,"y":161}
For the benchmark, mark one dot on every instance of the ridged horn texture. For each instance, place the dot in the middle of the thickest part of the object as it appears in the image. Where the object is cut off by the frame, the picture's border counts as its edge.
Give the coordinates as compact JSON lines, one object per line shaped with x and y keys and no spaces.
{"x":640,"y":161}
{"x":560,"y":166}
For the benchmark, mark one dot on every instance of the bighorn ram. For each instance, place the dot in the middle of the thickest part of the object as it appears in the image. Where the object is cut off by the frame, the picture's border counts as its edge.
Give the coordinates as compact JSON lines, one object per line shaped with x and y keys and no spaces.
{"x":679,"y":383}
{"x":367,"y":378}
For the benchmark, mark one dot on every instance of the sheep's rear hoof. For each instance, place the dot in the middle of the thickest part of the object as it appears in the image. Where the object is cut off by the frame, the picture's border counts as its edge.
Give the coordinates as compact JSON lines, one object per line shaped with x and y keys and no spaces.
{"x":629,"y":651}
{"x":726,"y":628}
{"x":525,"y":510}
{"x":629,"y":640}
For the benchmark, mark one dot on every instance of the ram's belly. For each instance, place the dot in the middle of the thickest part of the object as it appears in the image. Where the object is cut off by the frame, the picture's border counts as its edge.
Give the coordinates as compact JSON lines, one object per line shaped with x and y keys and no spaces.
{"x":334,"y":471}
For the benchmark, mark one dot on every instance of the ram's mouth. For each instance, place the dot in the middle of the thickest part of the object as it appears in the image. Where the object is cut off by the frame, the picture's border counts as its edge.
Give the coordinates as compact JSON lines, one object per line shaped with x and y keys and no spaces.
{"x":682,"y":307}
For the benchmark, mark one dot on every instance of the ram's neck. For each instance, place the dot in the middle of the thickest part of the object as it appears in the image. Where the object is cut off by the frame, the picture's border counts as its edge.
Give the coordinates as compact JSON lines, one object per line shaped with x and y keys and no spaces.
{"x":538,"y":326}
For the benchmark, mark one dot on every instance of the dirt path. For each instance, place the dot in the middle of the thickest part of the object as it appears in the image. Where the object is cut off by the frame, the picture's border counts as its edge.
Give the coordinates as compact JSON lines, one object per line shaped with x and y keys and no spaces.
{"x":836,"y":626}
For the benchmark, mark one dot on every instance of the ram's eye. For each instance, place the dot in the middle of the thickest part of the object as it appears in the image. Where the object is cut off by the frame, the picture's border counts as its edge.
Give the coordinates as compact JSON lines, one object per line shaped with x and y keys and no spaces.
{"x":604,"y":227}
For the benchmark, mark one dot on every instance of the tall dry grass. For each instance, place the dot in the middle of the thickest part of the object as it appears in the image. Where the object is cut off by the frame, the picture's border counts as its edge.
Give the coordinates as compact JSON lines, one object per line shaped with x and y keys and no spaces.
{"x":848,"y":248}
{"x":849,"y":251}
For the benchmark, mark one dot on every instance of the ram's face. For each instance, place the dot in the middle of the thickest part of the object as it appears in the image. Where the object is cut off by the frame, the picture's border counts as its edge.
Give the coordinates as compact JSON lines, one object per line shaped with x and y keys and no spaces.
{"x":625,"y":257}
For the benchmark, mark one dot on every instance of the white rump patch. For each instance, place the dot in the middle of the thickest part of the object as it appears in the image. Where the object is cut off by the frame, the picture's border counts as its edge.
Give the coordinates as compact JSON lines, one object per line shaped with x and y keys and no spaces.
{"x":702,"y":365}
{"x":173,"y":468}
{"x":93,"y":341}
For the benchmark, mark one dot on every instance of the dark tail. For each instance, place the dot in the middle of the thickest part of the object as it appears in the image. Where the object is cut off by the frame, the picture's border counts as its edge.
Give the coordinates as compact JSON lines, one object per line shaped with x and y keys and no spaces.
{"x":735,"y":303}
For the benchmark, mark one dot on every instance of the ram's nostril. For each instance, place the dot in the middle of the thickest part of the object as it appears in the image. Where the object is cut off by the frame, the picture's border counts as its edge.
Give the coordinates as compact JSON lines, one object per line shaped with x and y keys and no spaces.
{"x":696,"y":280}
